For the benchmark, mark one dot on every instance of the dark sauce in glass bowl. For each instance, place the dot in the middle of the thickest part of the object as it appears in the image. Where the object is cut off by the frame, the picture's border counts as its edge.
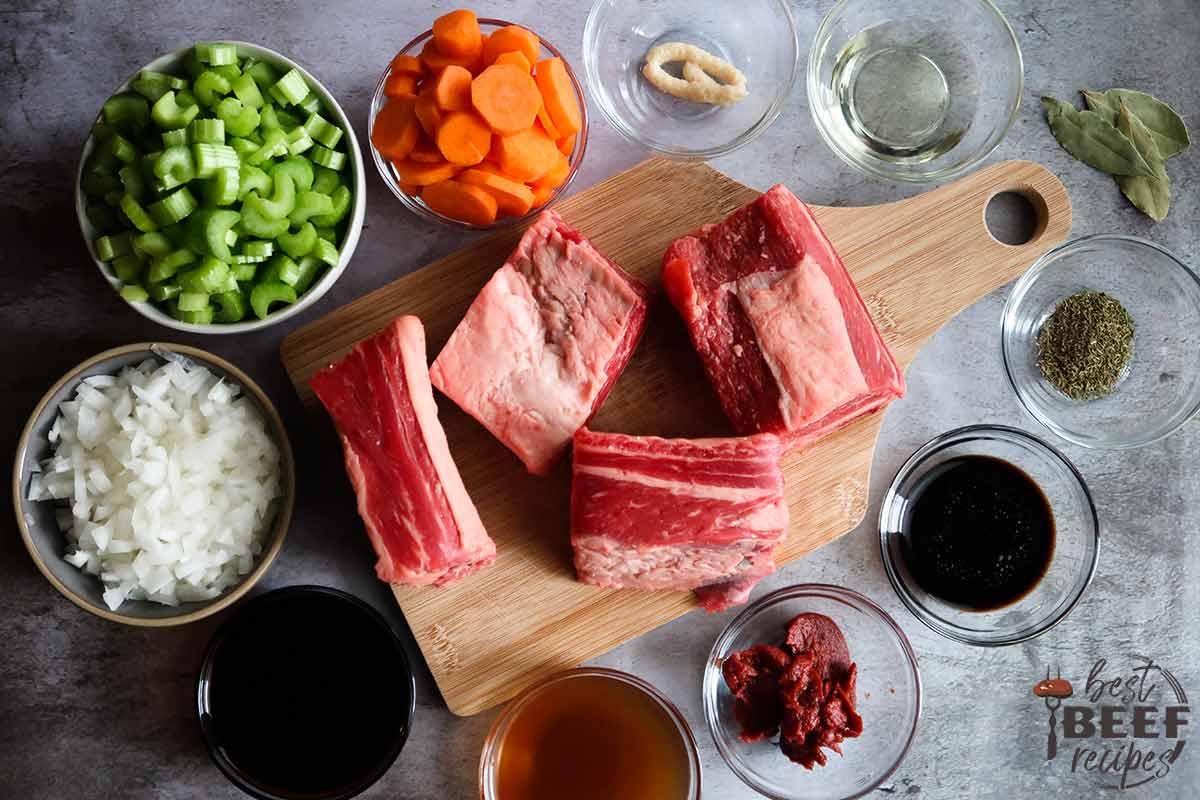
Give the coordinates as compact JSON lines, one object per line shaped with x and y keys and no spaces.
{"x":305,"y":692}
{"x":980,"y":533}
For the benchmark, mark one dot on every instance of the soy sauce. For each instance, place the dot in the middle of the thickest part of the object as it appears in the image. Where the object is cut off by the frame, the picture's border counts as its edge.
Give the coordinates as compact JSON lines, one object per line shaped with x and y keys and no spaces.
{"x":308,"y":695}
{"x":981,"y":533}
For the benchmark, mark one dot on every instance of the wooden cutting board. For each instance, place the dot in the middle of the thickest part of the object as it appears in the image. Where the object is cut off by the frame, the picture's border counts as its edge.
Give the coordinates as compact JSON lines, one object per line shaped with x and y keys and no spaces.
{"x":918,"y":262}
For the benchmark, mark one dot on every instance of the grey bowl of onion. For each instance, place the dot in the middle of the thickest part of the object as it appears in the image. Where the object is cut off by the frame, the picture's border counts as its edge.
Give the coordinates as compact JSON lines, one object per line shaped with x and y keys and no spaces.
{"x":48,"y":545}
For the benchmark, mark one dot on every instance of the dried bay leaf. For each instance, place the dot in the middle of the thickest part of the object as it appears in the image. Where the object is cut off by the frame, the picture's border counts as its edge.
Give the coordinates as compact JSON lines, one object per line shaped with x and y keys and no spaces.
{"x":1151,"y":195}
{"x":1092,"y":139}
{"x":1168,"y":128}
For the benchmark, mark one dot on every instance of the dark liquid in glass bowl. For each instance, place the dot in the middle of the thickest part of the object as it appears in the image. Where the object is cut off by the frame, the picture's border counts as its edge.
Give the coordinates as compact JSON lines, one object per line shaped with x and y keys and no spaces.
{"x":980,"y":533}
{"x":305,"y":692}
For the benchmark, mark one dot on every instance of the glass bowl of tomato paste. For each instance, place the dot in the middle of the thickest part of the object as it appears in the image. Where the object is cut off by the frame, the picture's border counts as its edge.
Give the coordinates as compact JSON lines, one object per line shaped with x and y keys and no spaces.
{"x":874,"y":677}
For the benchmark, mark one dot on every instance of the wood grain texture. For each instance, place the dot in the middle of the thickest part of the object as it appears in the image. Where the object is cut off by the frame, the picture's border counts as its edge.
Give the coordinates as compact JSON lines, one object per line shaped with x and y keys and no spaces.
{"x":917,"y":262}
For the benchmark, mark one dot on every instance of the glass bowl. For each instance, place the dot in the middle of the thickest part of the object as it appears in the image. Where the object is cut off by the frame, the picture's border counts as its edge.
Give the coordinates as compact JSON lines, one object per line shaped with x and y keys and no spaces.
{"x":1161,"y":390}
{"x":172,"y":62}
{"x":914,"y":90}
{"x":1076,"y":541}
{"x":414,"y":204}
{"x":888,"y":696}
{"x":756,"y":36}
{"x":493,"y":746}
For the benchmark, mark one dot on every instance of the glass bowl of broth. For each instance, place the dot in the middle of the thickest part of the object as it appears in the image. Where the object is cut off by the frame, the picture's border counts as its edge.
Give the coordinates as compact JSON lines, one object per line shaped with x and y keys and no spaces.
{"x":590,"y":734}
{"x":989,"y":535}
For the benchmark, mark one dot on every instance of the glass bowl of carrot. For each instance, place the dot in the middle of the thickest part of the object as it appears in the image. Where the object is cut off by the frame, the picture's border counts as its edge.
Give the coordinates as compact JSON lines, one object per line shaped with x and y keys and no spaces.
{"x":478,"y":123}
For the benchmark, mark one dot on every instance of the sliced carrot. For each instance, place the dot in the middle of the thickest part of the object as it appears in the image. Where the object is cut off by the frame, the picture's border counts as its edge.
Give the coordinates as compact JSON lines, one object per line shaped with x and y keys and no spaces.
{"x":419,"y":174}
{"x":401,"y":85}
{"x":547,"y":123}
{"x":509,"y":38}
{"x":426,"y":152}
{"x":461,"y":201}
{"x":558,"y":93}
{"x":452,"y":88}
{"x":541,"y":196}
{"x":395,"y":130}
{"x":408,"y":65}
{"x":457,"y":34}
{"x":477,"y":65}
{"x":464,"y":138}
{"x":411,"y":189}
{"x":513,"y":198}
{"x":436,"y":61}
{"x":516,"y":58}
{"x":557,"y":174}
{"x":527,"y":155}
{"x":566,"y":145}
{"x":428,"y":114}
{"x":506,"y":97}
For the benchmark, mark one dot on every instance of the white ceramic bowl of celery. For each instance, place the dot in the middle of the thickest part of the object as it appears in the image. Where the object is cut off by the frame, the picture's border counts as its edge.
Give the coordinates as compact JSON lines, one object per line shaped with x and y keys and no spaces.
{"x":173,"y":63}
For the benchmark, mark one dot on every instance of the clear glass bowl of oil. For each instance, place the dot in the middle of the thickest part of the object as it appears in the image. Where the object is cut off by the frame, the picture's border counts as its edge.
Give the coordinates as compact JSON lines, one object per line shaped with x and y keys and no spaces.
{"x":914,"y":90}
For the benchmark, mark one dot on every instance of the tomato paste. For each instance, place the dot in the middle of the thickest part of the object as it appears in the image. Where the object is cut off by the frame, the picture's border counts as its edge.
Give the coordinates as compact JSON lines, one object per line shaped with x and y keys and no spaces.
{"x":803,"y":690}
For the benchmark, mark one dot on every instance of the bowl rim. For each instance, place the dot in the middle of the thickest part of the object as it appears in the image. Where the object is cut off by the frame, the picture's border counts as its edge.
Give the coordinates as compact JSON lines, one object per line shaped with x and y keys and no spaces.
{"x":491,"y":744}
{"x":801,"y":590}
{"x":935,"y":445}
{"x":706,"y":153}
{"x":873,"y":168}
{"x":279,"y":528}
{"x":317,"y":290}
{"x":204,"y":679}
{"x":1008,"y":320}
{"x":418,"y":207}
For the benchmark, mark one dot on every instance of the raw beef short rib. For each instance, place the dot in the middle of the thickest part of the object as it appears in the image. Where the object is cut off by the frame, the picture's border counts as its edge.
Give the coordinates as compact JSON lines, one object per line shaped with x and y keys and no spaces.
{"x":653,"y":513}
{"x":543,"y":342}
{"x":783,"y":333}
{"x":411,"y":498}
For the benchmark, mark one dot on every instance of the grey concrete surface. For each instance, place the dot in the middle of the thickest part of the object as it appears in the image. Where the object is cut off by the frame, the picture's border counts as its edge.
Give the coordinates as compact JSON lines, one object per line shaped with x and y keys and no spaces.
{"x":91,"y":709}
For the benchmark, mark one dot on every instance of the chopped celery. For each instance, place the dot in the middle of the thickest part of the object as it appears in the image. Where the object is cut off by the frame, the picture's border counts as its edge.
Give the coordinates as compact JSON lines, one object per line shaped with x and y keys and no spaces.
{"x":229,"y":72}
{"x":175,"y":138}
{"x":101,"y":162}
{"x":113,"y":198}
{"x":311,"y":103}
{"x":239,"y":119}
{"x":286,"y":120}
{"x":241,"y":258}
{"x":244,"y":147}
{"x":292,"y":87}
{"x":211,"y":157}
{"x":169,"y":115}
{"x":222,"y":188}
{"x":121,"y":148}
{"x":298,"y":170}
{"x":109,"y":247}
{"x":174,"y":167}
{"x":251,"y":179}
{"x":150,"y":88}
{"x":170,"y":81}
{"x":310,"y":268}
{"x":192,"y":301}
{"x":127,"y":268}
{"x":325,"y":180}
{"x":322,"y":130}
{"x":202,"y":317}
{"x":133,"y":181}
{"x":328,"y":158}
{"x":255,"y":220}
{"x":153,"y":244}
{"x":309,"y":205}
{"x":95,"y":184}
{"x":298,"y":141}
{"x":328,"y":234}
{"x":174,"y":207}
{"x":263,"y":295}
{"x":281,"y":269}
{"x":206,"y":131}
{"x":166,"y":266}
{"x":269,"y":119}
{"x":210,"y":87}
{"x":263,"y":74}
{"x":219,"y":54}
{"x":340,"y":198}
{"x":208,"y":230}
{"x":137,"y":215}
{"x":185,"y":99}
{"x":134,"y":294}
{"x":231,"y":306}
{"x":102,"y":217}
{"x":244,"y":272}
{"x":326,"y":252}
{"x":259,"y":248}
{"x":192,"y":64}
{"x":274,"y":144}
{"x":300,"y":243}
{"x":101,"y":130}
{"x":246,"y":90}
{"x":161,"y":292}
{"x":207,"y":277}
{"x":127,"y":113}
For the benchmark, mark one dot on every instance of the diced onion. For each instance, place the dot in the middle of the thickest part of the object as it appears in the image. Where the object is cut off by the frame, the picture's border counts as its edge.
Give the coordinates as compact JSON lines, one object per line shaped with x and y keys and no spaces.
{"x":170,"y":481}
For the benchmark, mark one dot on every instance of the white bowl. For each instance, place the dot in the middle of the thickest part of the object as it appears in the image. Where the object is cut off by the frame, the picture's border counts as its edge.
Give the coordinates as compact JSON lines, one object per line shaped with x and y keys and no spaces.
{"x":172,"y":63}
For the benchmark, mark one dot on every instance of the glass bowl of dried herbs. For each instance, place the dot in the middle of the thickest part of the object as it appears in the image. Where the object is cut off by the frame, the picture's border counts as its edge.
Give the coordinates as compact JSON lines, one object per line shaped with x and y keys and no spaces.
{"x":1101,"y":341}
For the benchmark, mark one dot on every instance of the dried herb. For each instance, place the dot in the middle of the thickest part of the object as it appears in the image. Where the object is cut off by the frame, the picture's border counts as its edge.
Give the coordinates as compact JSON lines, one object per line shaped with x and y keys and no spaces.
{"x":1170,"y":132}
{"x":1085,"y":345}
{"x":1094,"y":140}
{"x":1151,"y":195}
